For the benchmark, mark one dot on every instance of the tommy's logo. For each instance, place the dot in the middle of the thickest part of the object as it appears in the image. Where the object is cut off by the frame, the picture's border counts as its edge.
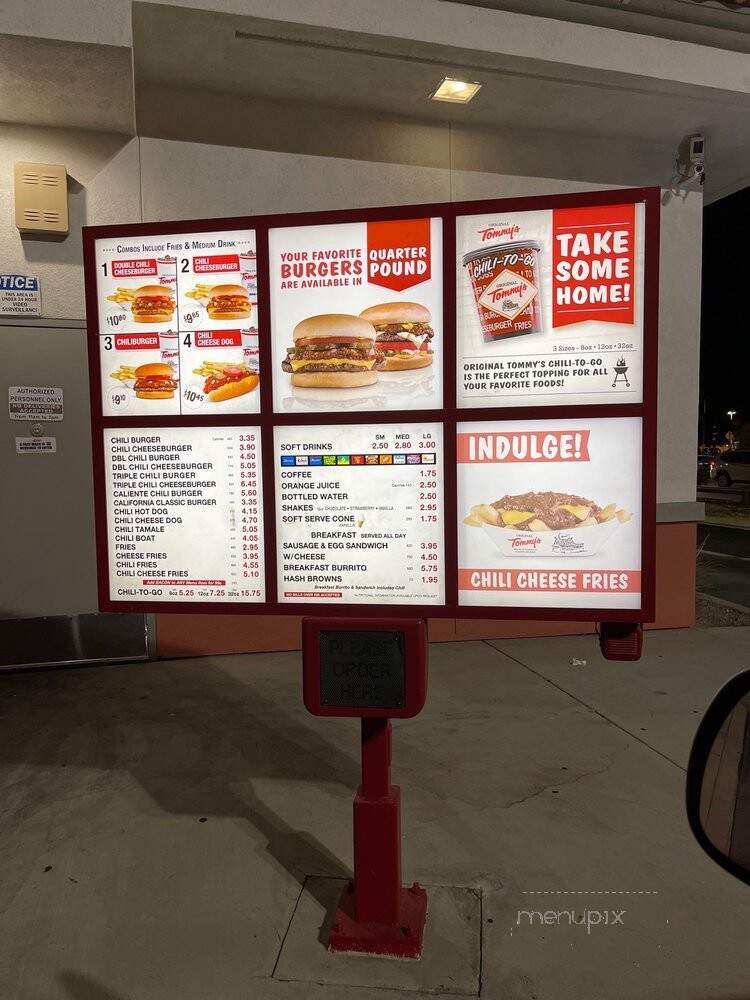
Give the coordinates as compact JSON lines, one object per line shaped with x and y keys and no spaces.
{"x":498,"y":233}
{"x":526,"y":542}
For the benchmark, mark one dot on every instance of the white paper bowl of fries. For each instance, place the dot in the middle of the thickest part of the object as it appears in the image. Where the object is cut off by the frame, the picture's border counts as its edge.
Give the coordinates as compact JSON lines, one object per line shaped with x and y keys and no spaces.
{"x":519,"y":534}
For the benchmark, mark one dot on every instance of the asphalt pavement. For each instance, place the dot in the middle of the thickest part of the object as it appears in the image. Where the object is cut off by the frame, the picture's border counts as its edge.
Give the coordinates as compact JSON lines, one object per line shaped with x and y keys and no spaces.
{"x":723,"y":563}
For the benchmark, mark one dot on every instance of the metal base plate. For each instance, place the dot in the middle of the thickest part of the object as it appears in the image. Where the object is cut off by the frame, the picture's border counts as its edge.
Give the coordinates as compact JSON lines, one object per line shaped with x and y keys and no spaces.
{"x":402,"y":940}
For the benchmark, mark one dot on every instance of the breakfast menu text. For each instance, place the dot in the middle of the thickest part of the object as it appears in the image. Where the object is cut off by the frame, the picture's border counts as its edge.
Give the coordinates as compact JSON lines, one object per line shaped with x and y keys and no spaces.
{"x":185,"y":518}
{"x":360,"y":514}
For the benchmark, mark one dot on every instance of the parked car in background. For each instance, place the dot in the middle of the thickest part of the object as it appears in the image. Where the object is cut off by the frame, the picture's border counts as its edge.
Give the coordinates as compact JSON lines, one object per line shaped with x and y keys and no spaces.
{"x":706,"y":464}
{"x":732,"y":467}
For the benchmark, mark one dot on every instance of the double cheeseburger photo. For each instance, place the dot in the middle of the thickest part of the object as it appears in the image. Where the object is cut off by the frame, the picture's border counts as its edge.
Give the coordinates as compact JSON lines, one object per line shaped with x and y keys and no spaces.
{"x":152,"y":304}
{"x":332,"y":351}
{"x":339,"y":351}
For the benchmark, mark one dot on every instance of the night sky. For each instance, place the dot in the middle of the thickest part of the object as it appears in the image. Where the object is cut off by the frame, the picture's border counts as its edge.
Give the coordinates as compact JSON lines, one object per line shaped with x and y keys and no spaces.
{"x":725,"y":317}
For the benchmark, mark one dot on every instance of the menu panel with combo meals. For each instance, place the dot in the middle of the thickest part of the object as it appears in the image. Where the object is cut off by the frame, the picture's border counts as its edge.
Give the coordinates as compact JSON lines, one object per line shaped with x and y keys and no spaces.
{"x":178,"y":324}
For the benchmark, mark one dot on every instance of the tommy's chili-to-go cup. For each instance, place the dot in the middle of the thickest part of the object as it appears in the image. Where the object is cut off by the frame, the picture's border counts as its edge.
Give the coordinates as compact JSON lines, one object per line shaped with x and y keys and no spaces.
{"x":505,"y":281}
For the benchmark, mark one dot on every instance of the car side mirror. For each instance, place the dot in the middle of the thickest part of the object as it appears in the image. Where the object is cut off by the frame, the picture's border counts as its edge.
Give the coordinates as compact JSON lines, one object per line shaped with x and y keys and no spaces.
{"x":718,"y":779}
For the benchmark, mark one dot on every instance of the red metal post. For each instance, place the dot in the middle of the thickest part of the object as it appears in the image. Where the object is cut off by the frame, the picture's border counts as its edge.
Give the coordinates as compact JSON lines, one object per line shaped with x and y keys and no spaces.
{"x":377,"y":830}
{"x":376,"y":915}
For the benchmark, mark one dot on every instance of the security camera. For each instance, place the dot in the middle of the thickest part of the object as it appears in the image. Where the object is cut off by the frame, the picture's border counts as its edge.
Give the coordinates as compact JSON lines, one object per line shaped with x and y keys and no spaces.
{"x":690,"y":161}
{"x":697,"y":151}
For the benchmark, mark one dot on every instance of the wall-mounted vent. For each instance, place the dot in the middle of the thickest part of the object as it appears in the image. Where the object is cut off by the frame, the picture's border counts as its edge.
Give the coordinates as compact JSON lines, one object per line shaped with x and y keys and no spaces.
{"x":41,"y":197}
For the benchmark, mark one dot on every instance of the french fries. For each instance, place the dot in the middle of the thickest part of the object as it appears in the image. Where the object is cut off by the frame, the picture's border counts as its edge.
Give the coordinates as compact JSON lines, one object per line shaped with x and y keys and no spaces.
{"x":484,"y":514}
{"x":217,"y":367}
{"x":516,"y":520}
{"x":200,"y":291}
{"x":473,"y":521}
{"x":608,"y":512}
{"x":122,"y":296}
{"x":123,"y":374}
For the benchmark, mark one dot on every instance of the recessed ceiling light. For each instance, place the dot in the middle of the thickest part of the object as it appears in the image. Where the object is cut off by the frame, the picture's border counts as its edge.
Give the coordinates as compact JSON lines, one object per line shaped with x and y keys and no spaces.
{"x":456,"y":91}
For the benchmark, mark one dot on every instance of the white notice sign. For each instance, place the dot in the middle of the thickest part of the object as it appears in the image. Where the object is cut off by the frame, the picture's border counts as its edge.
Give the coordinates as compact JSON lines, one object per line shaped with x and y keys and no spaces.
{"x":20,"y":295}
{"x":36,"y":445}
{"x":35,"y":402}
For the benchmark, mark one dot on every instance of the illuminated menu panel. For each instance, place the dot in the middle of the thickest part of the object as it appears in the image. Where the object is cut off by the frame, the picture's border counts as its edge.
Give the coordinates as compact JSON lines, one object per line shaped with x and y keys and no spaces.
{"x":550,"y":513}
{"x":178,"y":324}
{"x":549,"y":306}
{"x":184,"y":514}
{"x":357,"y":316}
{"x":359,"y":512}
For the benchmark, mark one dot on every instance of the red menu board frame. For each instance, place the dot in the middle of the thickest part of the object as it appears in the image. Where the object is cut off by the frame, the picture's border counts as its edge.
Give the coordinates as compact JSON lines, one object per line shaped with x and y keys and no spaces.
{"x":449,"y":415}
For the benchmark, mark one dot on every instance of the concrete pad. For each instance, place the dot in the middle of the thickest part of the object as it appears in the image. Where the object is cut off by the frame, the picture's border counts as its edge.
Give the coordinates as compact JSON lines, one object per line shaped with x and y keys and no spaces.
{"x":449,"y":965}
{"x":659,"y":699}
{"x":510,"y":785}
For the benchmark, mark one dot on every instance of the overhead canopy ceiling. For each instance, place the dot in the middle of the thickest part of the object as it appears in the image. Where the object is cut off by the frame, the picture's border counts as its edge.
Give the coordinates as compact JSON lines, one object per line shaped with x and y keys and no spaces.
{"x":275,"y":62}
{"x":721,"y":23}
{"x":65,"y":84}
{"x":234,"y":80}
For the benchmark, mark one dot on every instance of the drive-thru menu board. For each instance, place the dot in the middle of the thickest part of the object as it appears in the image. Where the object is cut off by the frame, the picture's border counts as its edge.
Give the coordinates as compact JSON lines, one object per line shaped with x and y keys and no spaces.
{"x":360,"y":513}
{"x":397,"y":411}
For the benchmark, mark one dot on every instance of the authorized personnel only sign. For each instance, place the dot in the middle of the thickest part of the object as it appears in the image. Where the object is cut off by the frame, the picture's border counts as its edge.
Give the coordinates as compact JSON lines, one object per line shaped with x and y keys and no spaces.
{"x":35,"y":402}
{"x":20,"y":295}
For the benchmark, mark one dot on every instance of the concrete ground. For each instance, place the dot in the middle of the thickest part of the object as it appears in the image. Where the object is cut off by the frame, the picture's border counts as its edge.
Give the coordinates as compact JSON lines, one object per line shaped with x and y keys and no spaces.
{"x":164,"y":827}
{"x":723,"y":563}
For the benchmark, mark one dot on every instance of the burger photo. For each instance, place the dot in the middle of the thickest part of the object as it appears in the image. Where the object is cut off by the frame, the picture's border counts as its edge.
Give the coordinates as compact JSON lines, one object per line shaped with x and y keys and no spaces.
{"x":154,"y":381}
{"x":403,"y":335}
{"x":152,"y":304}
{"x":230,"y":381}
{"x":333,"y":351}
{"x":228,"y":302}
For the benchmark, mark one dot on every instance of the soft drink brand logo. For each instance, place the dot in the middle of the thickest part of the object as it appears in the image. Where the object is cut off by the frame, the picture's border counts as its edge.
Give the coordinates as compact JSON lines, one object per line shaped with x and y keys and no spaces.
{"x":399,"y":254}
